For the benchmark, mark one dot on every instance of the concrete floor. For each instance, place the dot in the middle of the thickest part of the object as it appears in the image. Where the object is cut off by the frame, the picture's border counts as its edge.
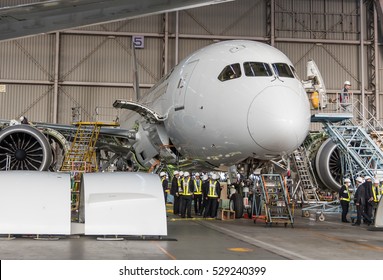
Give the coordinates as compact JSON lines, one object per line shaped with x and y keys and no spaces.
{"x":198,"y":239}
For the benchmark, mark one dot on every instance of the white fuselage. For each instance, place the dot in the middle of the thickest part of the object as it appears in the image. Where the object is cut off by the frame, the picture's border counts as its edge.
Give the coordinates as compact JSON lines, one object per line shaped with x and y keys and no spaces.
{"x":223,"y":119}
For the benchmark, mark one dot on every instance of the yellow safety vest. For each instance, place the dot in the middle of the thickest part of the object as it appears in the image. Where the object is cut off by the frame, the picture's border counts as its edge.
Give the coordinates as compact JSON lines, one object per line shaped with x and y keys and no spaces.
{"x":186,"y":187}
{"x":376,"y":194}
{"x":348,"y":198}
{"x":212,"y":190}
{"x":179,"y":181}
{"x":198,"y":187}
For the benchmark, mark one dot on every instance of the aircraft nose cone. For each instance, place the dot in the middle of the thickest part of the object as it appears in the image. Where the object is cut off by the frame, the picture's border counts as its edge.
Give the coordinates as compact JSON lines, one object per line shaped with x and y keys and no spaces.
{"x":278,"y":119}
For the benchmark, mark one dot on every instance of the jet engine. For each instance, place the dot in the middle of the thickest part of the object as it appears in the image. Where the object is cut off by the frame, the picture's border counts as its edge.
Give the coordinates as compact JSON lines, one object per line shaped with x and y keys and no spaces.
{"x":24,"y":147}
{"x":328,"y":165}
{"x":327,"y":161}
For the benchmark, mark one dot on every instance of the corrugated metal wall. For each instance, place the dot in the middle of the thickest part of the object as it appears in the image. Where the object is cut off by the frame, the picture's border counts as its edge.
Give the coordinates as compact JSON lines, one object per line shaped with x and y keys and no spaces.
{"x":95,"y":63}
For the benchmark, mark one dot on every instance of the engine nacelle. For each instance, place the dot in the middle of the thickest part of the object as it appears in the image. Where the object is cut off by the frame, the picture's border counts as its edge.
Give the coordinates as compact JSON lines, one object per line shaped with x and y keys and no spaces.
{"x":24,"y":147}
{"x":328,"y":165}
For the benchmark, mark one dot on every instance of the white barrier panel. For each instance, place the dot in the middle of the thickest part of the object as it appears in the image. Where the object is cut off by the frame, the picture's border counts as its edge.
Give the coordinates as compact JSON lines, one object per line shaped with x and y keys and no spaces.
{"x":124,"y":203}
{"x":34,"y":202}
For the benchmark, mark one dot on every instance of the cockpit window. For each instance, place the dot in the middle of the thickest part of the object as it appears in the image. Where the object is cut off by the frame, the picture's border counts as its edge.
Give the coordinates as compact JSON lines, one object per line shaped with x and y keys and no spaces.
{"x":282,"y":70}
{"x":256,"y":69}
{"x":230,"y":72}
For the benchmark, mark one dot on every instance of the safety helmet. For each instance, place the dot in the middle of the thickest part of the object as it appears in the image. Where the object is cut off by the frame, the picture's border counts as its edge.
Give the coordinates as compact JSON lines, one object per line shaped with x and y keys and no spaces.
{"x":197,"y":174}
{"x":162,"y":174}
{"x":181,"y":173}
{"x":186,"y":174}
{"x":367,"y":177}
{"x":381,"y":179}
{"x":204,"y":177}
{"x":347,"y":180}
{"x":175,"y":172}
{"x":359,"y":179}
{"x":376,"y":181}
{"x":214,"y":176}
{"x":22,"y":118}
{"x":347,"y":83}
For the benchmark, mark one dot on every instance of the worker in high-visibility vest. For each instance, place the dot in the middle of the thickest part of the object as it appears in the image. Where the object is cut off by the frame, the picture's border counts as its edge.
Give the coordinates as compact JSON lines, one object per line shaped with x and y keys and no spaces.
{"x":213,"y":194}
{"x":197,"y":194}
{"x":345,"y":198}
{"x":377,"y":191}
{"x":186,"y":193}
{"x":376,"y":195}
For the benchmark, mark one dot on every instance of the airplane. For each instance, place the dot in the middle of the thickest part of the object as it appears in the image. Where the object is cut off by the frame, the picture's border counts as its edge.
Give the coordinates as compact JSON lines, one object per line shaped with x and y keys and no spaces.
{"x":52,"y":15}
{"x":225,"y":103}
{"x":229,"y":103}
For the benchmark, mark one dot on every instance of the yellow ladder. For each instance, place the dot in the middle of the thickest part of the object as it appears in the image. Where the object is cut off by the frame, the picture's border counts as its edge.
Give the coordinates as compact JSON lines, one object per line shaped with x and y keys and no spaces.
{"x":81,"y":155}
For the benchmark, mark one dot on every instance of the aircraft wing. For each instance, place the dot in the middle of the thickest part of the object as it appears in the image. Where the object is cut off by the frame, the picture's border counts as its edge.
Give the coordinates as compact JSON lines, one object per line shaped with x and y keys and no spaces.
{"x":53,"y":15}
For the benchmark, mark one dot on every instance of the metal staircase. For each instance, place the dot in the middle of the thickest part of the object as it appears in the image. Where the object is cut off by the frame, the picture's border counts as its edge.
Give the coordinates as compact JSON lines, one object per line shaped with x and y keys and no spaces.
{"x":81,"y":155}
{"x":354,"y":141}
{"x":358,"y":135}
{"x":307,"y":185}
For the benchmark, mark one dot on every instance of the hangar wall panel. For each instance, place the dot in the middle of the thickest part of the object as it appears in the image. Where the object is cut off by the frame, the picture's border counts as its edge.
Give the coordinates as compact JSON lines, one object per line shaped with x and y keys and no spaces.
{"x":238,"y":18}
{"x":33,"y":101}
{"x":319,"y":19}
{"x":28,"y":59}
{"x":88,"y":99}
{"x":337,"y":63}
{"x":108,"y":59}
{"x":149,"y":24}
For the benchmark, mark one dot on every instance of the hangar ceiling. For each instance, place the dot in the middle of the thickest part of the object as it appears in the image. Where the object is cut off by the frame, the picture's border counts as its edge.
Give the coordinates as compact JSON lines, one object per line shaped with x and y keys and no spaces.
{"x":89,"y":67}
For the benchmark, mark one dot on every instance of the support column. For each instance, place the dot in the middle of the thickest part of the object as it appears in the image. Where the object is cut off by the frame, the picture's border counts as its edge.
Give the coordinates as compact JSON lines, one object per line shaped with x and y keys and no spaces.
{"x":56,"y":78}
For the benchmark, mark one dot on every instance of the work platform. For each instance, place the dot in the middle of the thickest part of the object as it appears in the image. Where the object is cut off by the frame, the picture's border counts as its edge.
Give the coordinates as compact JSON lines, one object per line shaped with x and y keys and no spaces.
{"x":330,"y":117}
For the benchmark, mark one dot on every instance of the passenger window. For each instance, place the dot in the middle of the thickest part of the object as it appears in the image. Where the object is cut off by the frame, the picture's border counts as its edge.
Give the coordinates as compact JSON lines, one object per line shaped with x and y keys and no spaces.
{"x":282,"y":70}
{"x":230,"y":72}
{"x":256,"y":69}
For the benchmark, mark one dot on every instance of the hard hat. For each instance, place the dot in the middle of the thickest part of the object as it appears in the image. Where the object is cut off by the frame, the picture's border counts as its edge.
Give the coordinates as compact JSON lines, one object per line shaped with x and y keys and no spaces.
{"x":347,"y":83}
{"x":376,"y":181}
{"x":176,"y":172}
{"x":197,"y":174}
{"x":162,"y":174}
{"x":381,"y":180}
{"x":181,"y":173}
{"x":214,"y":176}
{"x":359,"y":179}
{"x":204,"y":177}
{"x":367,"y":177}
{"x":186,"y":174}
{"x":347,"y":180}
{"x":22,"y":118}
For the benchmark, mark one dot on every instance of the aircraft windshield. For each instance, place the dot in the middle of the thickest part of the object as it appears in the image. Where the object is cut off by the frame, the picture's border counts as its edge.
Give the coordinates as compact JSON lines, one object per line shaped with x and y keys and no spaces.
{"x":256,"y":69}
{"x":282,"y":70}
{"x":230,"y":72}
